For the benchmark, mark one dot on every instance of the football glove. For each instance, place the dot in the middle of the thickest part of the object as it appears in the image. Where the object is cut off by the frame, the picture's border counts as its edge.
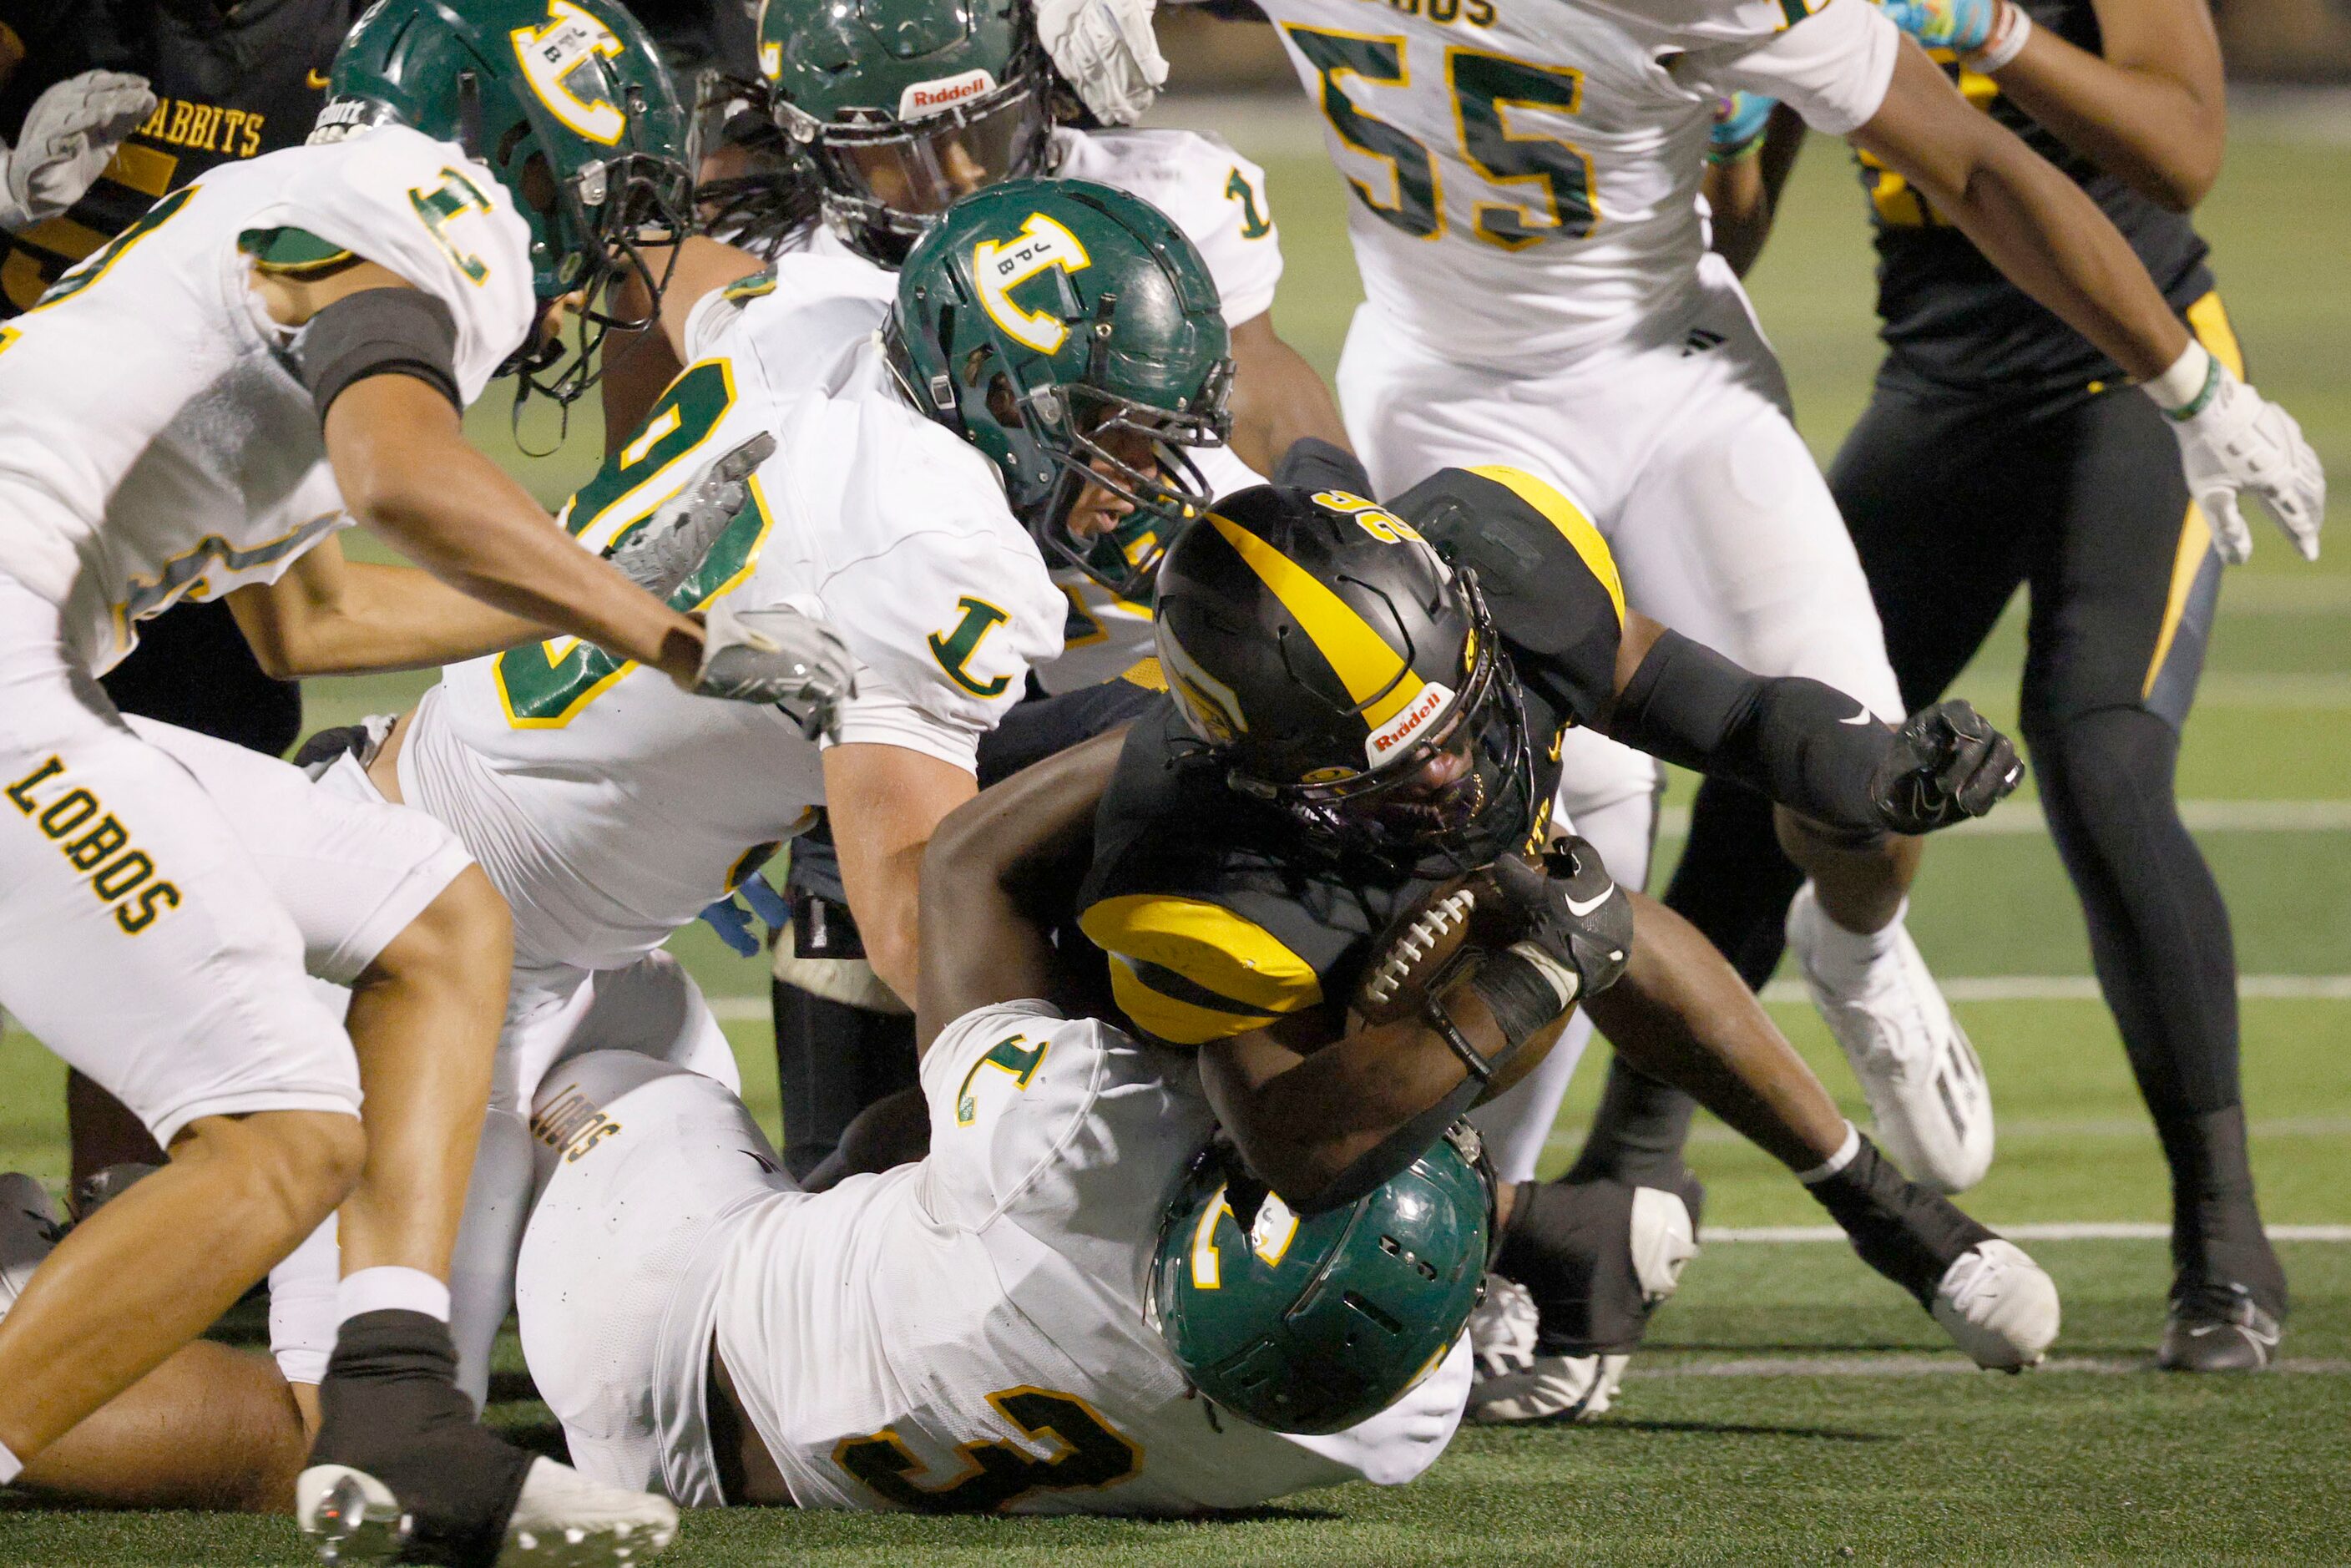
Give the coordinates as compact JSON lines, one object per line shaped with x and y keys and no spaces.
{"x":69,"y":135}
{"x":1946,"y":764}
{"x":1107,"y":51}
{"x":1570,"y":910}
{"x":2232,"y":440}
{"x":733,"y":922}
{"x":670,"y":547}
{"x":1740,"y":121}
{"x":778,"y":655}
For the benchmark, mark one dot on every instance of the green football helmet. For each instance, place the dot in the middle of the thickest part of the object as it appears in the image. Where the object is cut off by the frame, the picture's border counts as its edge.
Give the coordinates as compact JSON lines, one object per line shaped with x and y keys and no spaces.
{"x":905,"y":105}
{"x":1312,"y":1323}
{"x":1072,"y":334}
{"x":568,"y":104}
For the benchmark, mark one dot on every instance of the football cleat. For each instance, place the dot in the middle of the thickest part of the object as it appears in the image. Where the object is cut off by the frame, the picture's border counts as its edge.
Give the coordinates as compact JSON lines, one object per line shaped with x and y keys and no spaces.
{"x":562,"y":1519}
{"x":2216,"y":1328}
{"x":1926,"y":1093}
{"x":30,"y":1231}
{"x":1999,"y":1306}
{"x":1502,"y":1329}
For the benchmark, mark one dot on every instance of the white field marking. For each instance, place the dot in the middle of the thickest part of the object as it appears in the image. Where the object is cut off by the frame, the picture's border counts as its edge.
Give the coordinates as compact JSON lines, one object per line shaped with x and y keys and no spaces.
{"x":1930,"y":1365}
{"x":2024,"y":819}
{"x":2027,"y":1129}
{"x":2060,"y":1231}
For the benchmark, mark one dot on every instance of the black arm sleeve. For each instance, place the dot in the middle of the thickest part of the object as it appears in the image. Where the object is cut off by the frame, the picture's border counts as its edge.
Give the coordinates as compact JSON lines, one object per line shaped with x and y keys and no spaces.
{"x":1794,"y":739}
{"x":376,"y":333}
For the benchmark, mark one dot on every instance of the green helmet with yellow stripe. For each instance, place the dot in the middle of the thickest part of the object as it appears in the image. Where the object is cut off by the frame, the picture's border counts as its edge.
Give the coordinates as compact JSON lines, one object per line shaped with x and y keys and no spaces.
{"x":1325,"y":654}
{"x":1313,"y":1323}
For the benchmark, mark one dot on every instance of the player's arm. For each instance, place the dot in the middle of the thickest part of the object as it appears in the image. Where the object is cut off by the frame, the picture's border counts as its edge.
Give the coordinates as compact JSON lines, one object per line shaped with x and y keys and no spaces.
{"x":886,"y":803}
{"x":980,"y":946}
{"x":330,"y":615}
{"x":1752,"y":152}
{"x":1277,"y":398}
{"x":397,"y":444}
{"x":2151,"y":109}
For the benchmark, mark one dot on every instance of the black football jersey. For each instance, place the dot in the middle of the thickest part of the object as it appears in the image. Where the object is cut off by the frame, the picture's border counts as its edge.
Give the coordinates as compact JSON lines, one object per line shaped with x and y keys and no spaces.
{"x":1220,"y":913}
{"x":237,"y":83}
{"x":1951,"y":317}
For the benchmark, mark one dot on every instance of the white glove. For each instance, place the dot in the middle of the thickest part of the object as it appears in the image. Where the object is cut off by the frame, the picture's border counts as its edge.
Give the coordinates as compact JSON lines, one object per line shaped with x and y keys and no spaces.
{"x":1106,"y":50}
{"x":69,"y":135}
{"x":2231,"y":440}
{"x":778,"y":655}
{"x":670,"y":547}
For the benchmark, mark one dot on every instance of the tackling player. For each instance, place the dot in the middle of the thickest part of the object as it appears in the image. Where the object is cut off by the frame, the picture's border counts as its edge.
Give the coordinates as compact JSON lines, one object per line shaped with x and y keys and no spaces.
{"x":271,"y":353}
{"x":2002,"y":446}
{"x":1354,"y":721}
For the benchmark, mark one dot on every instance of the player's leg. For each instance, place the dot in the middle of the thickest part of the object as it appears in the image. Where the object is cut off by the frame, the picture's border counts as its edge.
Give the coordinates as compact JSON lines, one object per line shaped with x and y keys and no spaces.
{"x":2122,"y":605}
{"x":138,"y":942}
{"x":638,"y":1163}
{"x":213,"y":1427}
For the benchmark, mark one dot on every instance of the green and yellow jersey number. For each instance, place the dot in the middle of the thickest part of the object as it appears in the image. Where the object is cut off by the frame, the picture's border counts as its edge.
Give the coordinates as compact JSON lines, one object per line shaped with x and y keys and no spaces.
{"x":1558,"y":173}
{"x":544,"y":685}
{"x":103,"y":259}
{"x":1088,"y":1453}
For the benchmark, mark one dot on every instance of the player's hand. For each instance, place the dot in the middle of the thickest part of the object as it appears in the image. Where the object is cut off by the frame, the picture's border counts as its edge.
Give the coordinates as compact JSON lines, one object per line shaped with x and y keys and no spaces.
{"x":1740,"y":121}
{"x":670,"y":547}
{"x":733,"y":922}
{"x":1569,"y":907}
{"x":1960,"y":24}
{"x":69,"y":135}
{"x":1947,"y":763}
{"x":778,"y":655}
{"x":1107,"y":51}
{"x":2232,"y":440}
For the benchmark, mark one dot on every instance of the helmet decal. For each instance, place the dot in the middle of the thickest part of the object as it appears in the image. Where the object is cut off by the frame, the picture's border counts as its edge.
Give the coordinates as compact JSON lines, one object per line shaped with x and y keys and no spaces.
{"x":1393,"y":737}
{"x":924,"y":98}
{"x":1381,"y":684}
{"x":1208,"y":702}
{"x":551,"y":54}
{"x":998,"y":269}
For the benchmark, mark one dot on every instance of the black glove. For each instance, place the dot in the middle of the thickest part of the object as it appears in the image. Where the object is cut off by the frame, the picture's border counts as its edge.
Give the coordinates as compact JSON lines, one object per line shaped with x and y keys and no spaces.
{"x":1947,"y":763}
{"x":1571,"y":908}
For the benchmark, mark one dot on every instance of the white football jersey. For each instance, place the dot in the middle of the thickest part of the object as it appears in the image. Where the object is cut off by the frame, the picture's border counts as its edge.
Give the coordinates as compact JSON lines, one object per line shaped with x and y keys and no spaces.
{"x":608,"y":805}
{"x":1218,"y":198}
{"x":1526,"y":172}
{"x":155,"y":444}
{"x":971,"y":1330}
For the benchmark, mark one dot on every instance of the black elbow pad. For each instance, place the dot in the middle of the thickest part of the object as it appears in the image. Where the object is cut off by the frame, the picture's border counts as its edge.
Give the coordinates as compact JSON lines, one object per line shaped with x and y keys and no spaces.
{"x":376,"y":333}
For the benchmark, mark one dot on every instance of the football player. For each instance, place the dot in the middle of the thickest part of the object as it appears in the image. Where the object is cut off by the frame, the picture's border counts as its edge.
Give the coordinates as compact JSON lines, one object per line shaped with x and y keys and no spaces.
{"x":1053,"y":350}
{"x":889,"y":132}
{"x":1532,"y":248}
{"x":2123,"y":563}
{"x":1077,"y":1302}
{"x":270,"y":353}
{"x":1355,"y":719}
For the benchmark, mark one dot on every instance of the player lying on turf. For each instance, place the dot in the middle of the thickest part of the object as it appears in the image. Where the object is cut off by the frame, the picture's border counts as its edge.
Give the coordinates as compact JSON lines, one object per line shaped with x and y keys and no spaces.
{"x":1076,"y":1302}
{"x":609,"y":808}
{"x":1355,"y":722}
{"x":271,"y":353}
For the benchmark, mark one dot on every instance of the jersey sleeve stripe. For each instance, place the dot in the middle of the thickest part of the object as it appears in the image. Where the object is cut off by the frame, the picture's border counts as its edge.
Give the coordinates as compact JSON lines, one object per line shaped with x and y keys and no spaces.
{"x":1569,"y":519}
{"x":1382,"y":685}
{"x":1235,"y":962}
{"x":1169,"y":1019}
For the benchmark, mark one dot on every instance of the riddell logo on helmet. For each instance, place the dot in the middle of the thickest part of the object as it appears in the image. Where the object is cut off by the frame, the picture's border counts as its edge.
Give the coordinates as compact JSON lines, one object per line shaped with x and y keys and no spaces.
{"x":930,"y":97}
{"x":1394,"y":736}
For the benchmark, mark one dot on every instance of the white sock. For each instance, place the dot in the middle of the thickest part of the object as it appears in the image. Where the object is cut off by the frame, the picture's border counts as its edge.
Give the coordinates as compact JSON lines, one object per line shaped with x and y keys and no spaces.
{"x":1845,"y":1154}
{"x":391,"y":1289}
{"x":11,"y":1467}
{"x":1851,"y":954}
{"x":302,"y":1306}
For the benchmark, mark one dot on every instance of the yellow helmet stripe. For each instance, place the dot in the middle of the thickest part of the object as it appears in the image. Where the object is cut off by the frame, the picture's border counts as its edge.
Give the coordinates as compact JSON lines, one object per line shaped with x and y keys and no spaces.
{"x":1376,"y":676}
{"x":1569,"y":519}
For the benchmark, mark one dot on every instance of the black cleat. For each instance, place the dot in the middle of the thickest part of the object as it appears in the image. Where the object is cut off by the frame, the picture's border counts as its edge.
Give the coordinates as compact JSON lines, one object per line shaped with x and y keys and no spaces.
{"x":2216,"y":1328}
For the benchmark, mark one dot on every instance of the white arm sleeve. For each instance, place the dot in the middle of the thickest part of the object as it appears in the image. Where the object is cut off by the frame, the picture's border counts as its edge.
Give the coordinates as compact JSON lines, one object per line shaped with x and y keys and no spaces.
{"x":1833,"y":67}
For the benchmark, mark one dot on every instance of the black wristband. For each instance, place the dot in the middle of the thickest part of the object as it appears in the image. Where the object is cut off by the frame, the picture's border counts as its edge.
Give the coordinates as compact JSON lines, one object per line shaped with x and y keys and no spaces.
{"x":375,"y":332}
{"x":1793,"y":739}
{"x":1522,"y":1000}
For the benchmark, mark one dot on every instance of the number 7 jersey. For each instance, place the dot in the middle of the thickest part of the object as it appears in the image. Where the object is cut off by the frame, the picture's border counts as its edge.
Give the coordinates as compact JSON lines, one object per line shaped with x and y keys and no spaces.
{"x":1524,"y":173}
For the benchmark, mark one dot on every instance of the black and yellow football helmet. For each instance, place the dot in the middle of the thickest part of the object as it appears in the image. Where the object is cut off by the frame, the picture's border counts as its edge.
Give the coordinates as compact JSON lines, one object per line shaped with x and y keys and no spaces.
{"x":1337,"y":666}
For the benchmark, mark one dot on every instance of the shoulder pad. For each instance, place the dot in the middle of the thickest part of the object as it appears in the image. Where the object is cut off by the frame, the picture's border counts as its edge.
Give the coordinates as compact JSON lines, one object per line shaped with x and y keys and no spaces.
{"x":1190,"y":970}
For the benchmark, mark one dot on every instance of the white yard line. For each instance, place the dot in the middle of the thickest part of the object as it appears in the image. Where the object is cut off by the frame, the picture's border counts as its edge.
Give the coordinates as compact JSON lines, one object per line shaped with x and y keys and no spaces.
{"x":1654,"y":1365}
{"x":2023,"y":818}
{"x":2061,"y":1230}
{"x":2022,"y":1129}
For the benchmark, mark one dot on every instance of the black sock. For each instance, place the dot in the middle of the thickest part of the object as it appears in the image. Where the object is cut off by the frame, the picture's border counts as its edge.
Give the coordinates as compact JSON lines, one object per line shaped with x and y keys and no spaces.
{"x":1909,"y":1233}
{"x":1637,"y":1133}
{"x":2216,"y":1230}
{"x":389,"y":1406}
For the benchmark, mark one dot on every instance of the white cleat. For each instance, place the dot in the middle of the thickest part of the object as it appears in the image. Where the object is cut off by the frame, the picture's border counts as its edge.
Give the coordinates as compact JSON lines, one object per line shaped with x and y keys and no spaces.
{"x":1926,"y":1093}
{"x":1502,"y":1329}
{"x":30,"y":1231}
{"x":1536,"y":1388}
{"x":1999,"y":1306}
{"x":562,"y":1519}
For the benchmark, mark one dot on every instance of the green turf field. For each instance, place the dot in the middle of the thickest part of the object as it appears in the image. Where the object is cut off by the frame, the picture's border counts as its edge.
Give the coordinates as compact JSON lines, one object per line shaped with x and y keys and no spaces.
{"x":1794,"y":1408}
